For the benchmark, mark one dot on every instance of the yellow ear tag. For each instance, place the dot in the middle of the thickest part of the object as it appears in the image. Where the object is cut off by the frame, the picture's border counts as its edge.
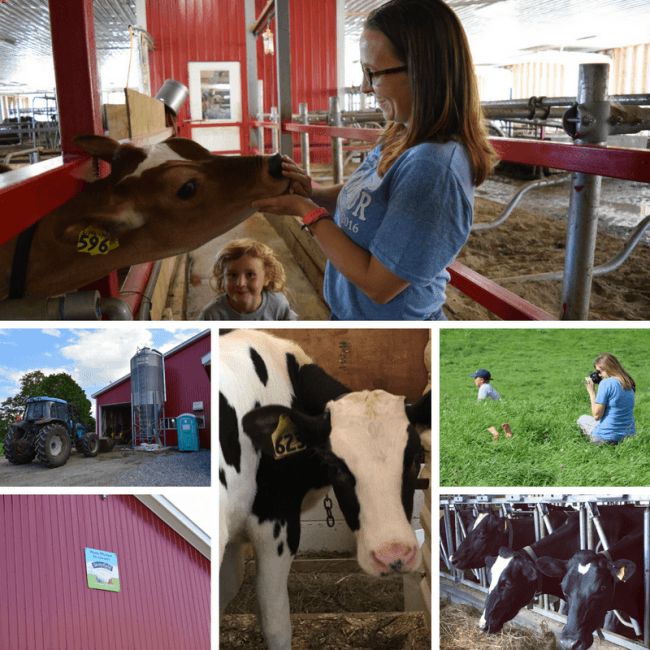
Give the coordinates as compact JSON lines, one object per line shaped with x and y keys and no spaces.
{"x":285,"y":441}
{"x":621,"y":574}
{"x":95,"y":241}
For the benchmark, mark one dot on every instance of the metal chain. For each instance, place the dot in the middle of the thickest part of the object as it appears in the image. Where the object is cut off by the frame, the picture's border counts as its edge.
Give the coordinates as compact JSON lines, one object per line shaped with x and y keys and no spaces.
{"x":327,"y":502}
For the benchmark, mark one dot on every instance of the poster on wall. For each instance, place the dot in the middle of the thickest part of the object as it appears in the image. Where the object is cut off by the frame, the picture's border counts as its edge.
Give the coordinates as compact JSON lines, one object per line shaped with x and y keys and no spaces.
{"x":101,"y":570}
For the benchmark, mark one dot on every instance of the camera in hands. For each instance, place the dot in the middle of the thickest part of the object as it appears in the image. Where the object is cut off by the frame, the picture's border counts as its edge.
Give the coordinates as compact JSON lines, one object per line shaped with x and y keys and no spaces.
{"x":595,"y":377}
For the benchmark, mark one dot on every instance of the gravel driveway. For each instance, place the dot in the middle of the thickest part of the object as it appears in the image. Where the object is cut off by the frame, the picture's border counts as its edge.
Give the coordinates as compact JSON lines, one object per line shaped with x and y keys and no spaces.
{"x":121,"y":467}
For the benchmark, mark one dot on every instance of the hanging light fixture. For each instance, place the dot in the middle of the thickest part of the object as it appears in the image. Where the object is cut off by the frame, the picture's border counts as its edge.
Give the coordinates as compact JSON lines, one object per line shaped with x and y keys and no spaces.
{"x":267,"y":36}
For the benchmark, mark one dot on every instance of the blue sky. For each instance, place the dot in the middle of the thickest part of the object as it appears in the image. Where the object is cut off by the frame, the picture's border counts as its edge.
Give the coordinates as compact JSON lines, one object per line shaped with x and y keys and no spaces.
{"x":94,"y":358}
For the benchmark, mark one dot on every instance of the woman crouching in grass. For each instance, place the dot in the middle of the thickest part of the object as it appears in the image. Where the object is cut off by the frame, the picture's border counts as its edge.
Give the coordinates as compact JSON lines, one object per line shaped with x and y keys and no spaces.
{"x":612,"y":407}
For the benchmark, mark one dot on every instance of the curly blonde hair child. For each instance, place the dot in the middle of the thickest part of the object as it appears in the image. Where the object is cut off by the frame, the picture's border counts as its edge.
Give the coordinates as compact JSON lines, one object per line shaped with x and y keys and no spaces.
{"x":276,"y":279}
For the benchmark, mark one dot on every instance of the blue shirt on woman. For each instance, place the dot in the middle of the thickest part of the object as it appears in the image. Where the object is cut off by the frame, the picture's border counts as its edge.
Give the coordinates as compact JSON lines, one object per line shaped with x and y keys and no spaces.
{"x":414,"y":220}
{"x":618,"y":418}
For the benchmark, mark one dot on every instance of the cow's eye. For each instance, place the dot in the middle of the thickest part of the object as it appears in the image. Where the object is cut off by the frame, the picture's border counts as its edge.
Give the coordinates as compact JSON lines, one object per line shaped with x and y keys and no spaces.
{"x":187,"y":191}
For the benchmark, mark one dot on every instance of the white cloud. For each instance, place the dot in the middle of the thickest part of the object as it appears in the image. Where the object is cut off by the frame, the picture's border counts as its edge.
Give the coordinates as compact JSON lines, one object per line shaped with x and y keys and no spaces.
{"x":102,"y":356}
{"x":52,"y":332}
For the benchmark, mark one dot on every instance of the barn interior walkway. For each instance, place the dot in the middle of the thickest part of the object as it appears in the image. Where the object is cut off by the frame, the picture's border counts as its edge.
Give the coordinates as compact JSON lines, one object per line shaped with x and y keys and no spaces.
{"x":301,"y":295}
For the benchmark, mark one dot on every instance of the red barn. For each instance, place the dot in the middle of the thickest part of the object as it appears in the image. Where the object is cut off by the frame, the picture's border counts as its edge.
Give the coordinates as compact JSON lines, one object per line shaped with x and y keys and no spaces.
{"x":161,"y":600}
{"x":187,"y":380}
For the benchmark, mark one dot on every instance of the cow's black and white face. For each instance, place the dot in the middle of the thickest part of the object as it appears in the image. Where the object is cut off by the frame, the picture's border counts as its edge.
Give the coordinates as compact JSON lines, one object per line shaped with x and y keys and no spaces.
{"x":513,"y":579}
{"x":371,"y":448}
{"x":588,"y":583}
{"x":487,"y":535}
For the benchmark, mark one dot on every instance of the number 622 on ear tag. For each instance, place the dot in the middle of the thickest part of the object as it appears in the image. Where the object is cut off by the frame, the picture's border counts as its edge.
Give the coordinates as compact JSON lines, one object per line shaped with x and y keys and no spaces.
{"x":284,"y":438}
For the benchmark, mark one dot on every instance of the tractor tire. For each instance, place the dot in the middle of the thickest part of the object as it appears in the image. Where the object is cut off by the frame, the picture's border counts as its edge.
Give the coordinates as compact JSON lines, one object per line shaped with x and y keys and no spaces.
{"x":53,"y":445}
{"x":90,"y":445}
{"x":14,"y":452}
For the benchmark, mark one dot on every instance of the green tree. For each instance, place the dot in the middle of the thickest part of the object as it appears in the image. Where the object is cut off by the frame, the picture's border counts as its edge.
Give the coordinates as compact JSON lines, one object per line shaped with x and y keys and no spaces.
{"x":36,"y":384}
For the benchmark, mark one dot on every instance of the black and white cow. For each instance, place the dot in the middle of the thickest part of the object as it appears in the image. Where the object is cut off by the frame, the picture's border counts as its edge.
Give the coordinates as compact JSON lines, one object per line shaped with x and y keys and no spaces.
{"x":515,"y":578}
{"x":594,"y":584}
{"x":490,"y":532}
{"x":289,"y":431}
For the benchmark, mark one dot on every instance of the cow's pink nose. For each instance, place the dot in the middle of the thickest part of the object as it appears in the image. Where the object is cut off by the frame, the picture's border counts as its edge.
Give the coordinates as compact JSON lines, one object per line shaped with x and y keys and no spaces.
{"x":394,"y":558}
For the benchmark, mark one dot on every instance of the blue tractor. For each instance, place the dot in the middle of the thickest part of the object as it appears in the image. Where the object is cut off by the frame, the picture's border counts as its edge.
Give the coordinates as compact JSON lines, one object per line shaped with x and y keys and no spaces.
{"x":48,"y":429}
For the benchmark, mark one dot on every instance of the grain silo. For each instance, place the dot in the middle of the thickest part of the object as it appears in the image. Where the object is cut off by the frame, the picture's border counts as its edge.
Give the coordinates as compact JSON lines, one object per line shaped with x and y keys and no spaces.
{"x":148,"y":397}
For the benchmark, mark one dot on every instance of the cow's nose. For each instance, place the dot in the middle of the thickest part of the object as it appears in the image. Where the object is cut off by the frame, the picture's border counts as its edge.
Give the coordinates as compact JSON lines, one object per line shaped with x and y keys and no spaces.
{"x":275,"y":166}
{"x":394,"y":558}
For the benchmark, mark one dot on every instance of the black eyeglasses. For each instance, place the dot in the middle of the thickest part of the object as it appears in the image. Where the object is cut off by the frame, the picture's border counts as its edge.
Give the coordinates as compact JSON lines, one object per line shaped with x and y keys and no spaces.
{"x":369,"y":76}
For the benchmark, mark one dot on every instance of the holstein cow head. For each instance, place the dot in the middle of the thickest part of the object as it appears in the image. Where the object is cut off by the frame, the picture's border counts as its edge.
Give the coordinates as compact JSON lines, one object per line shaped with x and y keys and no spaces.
{"x":158,"y":201}
{"x":588,"y":582}
{"x":513,"y":580}
{"x":370,"y":444}
{"x":487,"y":535}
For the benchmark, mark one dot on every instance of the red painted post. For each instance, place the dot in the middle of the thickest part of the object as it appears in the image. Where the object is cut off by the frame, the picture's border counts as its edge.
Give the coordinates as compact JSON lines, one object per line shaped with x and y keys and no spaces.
{"x":75,"y":68}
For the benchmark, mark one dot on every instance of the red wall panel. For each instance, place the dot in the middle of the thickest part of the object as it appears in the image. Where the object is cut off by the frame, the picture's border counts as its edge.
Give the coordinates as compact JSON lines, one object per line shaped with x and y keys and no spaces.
{"x":195,"y":30}
{"x":164,"y":597}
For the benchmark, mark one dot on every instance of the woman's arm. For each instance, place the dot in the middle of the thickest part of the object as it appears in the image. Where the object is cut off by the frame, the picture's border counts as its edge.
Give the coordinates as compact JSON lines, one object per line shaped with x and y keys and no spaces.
{"x":597,"y":410}
{"x":356,"y":264}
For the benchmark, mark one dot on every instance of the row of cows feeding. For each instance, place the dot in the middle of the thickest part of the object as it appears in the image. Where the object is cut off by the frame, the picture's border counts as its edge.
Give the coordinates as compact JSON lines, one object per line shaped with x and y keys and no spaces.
{"x":591,"y":583}
{"x":288,"y":431}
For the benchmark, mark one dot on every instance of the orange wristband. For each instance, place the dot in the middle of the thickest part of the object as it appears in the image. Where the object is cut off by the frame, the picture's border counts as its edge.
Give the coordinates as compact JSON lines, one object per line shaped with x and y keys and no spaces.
{"x":313,"y":216}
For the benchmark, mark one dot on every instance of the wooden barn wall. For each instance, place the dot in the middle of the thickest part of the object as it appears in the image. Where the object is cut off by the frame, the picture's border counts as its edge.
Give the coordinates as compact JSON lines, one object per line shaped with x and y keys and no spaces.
{"x":164,"y":597}
{"x":390,"y":359}
{"x":539,"y":79}
{"x":630,"y":70}
{"x":187,"y":382}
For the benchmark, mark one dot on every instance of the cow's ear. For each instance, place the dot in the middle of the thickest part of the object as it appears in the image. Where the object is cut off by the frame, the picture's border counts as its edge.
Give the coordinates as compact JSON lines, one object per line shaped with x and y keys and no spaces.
{"x":623,"y":570}
{"x":503,"y":525}
{"x":551,"y":566}
{"x":419,"y":413}
{"x":279,"y":431}
{"x":489,"y":562}
{"x":313,"y":387}
{"x":97,"y":145}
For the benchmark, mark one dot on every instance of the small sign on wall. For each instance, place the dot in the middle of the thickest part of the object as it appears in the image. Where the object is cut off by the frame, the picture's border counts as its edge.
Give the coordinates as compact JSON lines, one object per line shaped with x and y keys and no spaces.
{"x":101,"y":570}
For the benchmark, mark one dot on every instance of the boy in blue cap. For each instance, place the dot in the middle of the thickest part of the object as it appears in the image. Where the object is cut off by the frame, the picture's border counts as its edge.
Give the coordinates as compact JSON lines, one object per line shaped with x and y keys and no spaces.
{"x":485,"y":389}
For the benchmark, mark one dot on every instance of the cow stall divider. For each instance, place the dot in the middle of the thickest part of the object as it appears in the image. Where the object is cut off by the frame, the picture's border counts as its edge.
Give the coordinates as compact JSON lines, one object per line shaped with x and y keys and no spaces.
{"x":590,"y":118}
{"x":456,"y":586}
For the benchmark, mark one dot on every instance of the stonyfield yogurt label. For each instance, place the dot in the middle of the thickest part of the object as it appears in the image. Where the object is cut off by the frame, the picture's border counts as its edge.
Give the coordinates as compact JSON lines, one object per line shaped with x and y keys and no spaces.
{"x":101,"y":570}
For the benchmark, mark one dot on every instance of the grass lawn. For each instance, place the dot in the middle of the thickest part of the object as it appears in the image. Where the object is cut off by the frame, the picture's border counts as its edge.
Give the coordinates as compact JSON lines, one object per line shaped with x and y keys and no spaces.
{"x":538,"y":373}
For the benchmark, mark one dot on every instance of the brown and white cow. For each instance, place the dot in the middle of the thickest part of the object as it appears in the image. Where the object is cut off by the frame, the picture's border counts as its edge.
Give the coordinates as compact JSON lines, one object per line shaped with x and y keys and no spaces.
{"x":158,"y":201}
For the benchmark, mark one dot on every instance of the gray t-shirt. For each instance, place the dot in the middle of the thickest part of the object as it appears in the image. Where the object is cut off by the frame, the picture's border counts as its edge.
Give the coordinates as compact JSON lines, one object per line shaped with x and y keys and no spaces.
{"x":487,"y":390}
{"x":274,"y":306}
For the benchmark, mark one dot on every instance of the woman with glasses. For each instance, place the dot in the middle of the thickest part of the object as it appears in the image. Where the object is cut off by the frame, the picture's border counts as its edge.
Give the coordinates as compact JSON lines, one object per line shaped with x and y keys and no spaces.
{"x":392,"y":229}
{"x":612,"y":407}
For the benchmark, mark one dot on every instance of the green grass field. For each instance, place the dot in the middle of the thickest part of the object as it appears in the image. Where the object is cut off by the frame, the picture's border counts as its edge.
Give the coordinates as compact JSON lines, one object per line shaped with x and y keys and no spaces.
{"x":538,"y":373}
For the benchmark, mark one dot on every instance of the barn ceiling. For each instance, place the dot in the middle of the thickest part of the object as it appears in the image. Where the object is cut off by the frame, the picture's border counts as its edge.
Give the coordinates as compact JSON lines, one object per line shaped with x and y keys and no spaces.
{"x":499,"y":31}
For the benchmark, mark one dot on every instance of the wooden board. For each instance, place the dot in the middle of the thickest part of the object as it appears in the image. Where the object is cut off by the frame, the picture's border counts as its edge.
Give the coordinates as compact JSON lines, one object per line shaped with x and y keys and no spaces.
{"x":138,"y":116}
{"x":388,"y":359}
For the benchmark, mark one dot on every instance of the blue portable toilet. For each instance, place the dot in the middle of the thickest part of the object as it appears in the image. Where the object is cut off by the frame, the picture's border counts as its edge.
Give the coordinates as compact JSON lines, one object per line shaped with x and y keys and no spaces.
{"x":188,"y":432}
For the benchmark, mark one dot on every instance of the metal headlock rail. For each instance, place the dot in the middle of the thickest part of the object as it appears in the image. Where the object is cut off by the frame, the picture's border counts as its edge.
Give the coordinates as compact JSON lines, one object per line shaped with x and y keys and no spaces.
{"x":590,"y":118}
{"x":591,"y":534}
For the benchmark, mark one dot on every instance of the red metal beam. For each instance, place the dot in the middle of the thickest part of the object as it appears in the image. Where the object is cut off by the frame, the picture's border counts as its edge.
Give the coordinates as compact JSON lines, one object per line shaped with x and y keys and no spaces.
{"x":495,"y":298}
{"x":37,"y":190}
{"x":75,"y":68}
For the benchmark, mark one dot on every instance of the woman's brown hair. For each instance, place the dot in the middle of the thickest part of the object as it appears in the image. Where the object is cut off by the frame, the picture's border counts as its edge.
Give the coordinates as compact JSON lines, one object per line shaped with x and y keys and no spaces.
{"x":276,"y":279}
{"x":614,"y":368}
{"x":429,"y":38}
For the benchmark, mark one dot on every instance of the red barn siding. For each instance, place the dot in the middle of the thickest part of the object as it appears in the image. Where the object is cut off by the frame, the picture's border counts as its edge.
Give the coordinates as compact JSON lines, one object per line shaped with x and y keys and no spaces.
{"x":190,"y":30}
{"x":164,"y":598}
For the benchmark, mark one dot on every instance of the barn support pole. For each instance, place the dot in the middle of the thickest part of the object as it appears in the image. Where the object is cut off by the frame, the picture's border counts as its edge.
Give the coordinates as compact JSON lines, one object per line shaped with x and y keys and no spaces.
{"x":256,"y":140}
{"x":335,"y":119}
{"x":75,"y":69}
{"x":593,"y":108}
{"x":303,"y":113}
{"x":283,"y":59}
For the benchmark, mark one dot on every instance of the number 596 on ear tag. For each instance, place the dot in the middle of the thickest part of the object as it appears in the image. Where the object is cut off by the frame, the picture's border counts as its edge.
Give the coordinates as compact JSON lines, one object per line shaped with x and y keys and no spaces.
{"x":284,"y":439}
{"x":95,"y":241}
